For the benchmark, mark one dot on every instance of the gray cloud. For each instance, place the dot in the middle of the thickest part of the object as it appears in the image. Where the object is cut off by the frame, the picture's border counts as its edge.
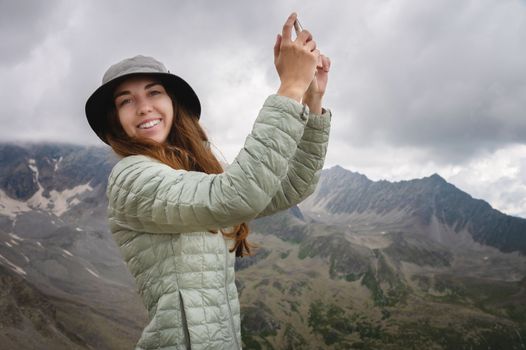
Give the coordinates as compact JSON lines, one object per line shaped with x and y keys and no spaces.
{"x":445,"y":76}
{"x":23,"y":25}
{"x":192,"y":40}
{"x":440,"y":83}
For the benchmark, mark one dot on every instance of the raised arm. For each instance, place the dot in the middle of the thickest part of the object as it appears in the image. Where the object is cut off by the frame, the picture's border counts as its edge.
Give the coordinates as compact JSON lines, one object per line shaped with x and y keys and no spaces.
{"x":148,"y":196}
{"x":305,"y":166}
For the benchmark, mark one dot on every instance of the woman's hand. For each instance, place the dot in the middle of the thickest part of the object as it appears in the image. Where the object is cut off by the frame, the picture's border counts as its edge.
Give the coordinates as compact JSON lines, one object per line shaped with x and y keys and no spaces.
{"x":295,"y":60}
{"x":314,"y":94}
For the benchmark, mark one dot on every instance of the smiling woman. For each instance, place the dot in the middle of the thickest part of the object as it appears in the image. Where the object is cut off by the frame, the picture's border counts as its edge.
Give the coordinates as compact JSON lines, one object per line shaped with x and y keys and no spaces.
{"x":176,"y":214}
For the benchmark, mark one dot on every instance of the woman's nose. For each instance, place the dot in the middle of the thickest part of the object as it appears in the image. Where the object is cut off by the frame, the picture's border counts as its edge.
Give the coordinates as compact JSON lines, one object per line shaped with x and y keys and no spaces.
{"x":143,"y":107}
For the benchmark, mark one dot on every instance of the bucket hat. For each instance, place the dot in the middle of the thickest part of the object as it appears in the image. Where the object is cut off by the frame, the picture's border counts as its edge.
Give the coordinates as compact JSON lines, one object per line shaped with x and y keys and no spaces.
{"x":98,"y":103}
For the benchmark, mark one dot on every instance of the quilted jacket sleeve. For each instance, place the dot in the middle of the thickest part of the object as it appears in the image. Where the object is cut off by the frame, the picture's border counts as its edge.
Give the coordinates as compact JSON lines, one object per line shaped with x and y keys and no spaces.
{"x":146,"y":195}
{"x":305,"y":167}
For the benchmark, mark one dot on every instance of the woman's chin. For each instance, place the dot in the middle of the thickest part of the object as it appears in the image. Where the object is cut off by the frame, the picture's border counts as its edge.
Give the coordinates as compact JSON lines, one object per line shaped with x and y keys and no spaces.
{"x":154,"y":136}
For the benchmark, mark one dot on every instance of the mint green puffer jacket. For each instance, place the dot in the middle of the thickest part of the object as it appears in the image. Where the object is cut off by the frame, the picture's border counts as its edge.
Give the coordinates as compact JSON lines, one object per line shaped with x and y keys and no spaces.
{"x":160,"y":219}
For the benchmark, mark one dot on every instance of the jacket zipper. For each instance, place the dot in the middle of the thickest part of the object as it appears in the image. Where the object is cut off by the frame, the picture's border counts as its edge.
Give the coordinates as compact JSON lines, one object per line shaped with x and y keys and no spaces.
{"x":234,"y":333}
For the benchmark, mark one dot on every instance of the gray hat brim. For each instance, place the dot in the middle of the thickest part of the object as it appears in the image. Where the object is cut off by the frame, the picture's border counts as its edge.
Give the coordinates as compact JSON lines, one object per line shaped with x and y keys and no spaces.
{"x":99,"y":102}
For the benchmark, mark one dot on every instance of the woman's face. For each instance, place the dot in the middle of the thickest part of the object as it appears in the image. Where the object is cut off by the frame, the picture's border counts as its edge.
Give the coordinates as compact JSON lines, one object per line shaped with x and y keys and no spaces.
{"x":144,"y":108}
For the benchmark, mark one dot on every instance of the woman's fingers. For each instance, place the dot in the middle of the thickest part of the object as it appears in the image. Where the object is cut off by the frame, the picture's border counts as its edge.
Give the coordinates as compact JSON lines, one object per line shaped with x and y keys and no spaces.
{"x":295,"y":60}
{"x":319,"y":64}
{"x":316,"y":53}
{"x":326,"y":63}
{"x":311,"y":45}
{"x":287,"y":27}
{"x":304,"y":36}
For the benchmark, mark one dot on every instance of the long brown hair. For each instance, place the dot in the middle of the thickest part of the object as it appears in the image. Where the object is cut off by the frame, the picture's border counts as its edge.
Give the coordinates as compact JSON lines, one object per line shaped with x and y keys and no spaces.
{"x":185,"y":148}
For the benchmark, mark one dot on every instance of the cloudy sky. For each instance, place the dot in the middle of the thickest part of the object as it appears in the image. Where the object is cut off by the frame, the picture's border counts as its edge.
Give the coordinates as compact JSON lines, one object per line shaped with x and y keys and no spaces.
{"x":416,"y":87}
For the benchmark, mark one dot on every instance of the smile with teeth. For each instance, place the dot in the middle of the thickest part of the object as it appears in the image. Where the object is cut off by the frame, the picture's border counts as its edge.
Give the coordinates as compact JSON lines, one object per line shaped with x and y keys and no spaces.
{"x":149,"y":124}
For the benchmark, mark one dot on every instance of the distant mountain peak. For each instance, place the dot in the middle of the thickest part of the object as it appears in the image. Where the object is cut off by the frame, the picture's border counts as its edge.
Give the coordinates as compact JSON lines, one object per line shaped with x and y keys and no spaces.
{"x":338,"y":170}
{"x":419,"y":201}
{"x":438,"y":178}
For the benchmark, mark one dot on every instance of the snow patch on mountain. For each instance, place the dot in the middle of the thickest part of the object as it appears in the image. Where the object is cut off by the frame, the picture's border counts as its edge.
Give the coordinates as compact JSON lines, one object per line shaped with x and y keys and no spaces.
{"x":11,"y":207}
{"x":57,"y":162}
{"x":92,"y":272}
{"x":67,"y":252}
{"x":18,"y":238}
{"x":64,"y":200}
{"x":33,"y":166}
{"x":37,"y":200}
{"x":13,"y":267}
{"x":58,"y":202}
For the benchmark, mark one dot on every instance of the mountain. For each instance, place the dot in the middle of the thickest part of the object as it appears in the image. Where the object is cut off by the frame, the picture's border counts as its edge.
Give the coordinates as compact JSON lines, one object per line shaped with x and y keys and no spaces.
{"x":359,"y":264}
{"x":386,"y":265}
{"x":341,"y":192}
{"x":68,"y":286}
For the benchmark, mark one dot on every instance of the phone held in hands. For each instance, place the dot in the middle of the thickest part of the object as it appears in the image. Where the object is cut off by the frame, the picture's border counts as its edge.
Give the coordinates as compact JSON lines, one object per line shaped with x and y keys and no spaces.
{"x":298,"y":28}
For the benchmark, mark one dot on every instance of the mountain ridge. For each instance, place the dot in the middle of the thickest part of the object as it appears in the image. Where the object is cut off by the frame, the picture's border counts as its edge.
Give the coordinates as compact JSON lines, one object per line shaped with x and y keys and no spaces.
{"x":343,"y":192}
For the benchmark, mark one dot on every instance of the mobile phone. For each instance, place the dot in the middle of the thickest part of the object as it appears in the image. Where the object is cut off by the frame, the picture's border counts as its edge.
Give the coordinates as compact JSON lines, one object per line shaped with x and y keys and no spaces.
{"x":297,"y":26}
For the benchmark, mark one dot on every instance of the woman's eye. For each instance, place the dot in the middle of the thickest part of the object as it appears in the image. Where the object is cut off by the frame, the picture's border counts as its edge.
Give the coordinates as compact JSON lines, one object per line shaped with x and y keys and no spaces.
{"x":124,"y":102}
{"x":154,"y":92}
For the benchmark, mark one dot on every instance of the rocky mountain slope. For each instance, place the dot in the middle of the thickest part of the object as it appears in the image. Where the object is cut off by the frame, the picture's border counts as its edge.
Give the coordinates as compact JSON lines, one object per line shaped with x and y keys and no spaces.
{"x":55,"y":245}
{"x":351,"y":194}
{"x":359,"y":264}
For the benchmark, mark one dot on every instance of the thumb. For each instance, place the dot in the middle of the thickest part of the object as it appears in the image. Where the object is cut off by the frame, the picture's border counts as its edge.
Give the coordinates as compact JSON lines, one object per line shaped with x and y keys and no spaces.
{"x":277,"y":46}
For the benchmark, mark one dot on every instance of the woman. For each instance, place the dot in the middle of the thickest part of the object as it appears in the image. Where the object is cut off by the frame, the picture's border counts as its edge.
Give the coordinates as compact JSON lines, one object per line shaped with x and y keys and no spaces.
{"x":176,"y":215}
